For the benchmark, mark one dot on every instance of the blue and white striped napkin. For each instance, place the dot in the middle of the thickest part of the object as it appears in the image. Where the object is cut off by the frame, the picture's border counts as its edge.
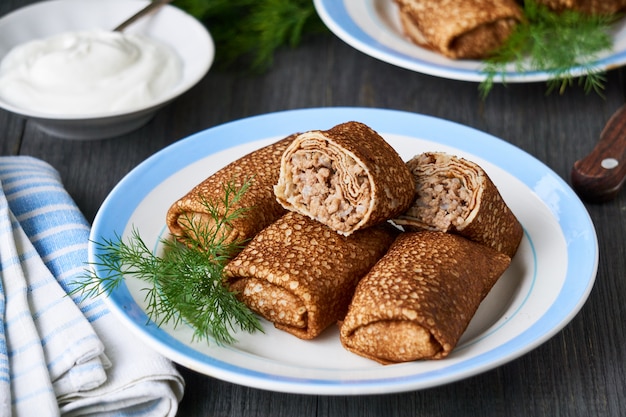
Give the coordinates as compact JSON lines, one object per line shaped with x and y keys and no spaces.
{"x":61,"y":355}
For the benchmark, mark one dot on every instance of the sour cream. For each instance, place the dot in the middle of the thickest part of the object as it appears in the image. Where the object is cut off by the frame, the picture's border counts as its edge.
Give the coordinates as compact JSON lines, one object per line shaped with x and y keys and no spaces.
{"x":88,"y":73}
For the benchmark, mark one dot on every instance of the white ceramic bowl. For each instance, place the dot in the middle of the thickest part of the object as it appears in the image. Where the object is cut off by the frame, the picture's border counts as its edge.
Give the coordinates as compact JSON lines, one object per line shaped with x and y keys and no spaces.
{"x":169,"y":25}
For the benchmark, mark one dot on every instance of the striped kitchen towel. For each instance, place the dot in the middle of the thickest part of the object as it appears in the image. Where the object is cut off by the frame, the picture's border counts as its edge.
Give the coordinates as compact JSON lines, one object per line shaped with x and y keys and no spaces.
{"x":62,"y":355}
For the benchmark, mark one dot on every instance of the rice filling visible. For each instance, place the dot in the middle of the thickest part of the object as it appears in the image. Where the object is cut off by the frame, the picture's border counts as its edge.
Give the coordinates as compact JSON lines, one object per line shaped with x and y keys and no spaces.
{"x":337,"y":200}
{"x":442,"y":201}
{"x":272,"y":302}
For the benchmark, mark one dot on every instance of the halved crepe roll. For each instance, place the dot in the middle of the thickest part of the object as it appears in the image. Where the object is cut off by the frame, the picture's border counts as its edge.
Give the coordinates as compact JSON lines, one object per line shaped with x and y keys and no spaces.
{"x":347,"y":178}
{"x":417,"y":301}
{"x":300,"y":275}
{"x":459,"y":29}
{"x":190,"y":214}
{"x":456,"y":195}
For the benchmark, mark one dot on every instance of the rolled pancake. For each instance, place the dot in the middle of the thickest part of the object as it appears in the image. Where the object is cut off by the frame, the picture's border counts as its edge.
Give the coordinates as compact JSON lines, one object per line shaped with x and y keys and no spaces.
{"x":459,"y":29}
{"x":347,"y":178}
{"x":599,"y":7}
{"x":260,"y":168}
{"x":300,"y":275}
{"x":417,"y":301}
{"x":456,"y":195}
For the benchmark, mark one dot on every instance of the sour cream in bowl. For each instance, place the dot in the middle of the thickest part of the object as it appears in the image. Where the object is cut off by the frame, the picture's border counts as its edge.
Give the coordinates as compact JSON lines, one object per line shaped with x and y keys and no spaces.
{"x":62,"y":67}
{"x":88,"y":73}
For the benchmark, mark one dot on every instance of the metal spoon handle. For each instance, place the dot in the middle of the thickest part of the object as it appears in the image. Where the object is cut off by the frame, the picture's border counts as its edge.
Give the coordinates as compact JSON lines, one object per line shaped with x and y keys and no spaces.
{"x":150,"y":8}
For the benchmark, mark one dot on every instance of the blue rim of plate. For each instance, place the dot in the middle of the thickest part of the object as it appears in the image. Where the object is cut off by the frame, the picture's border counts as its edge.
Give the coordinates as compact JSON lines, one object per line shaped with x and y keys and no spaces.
{"x":570,"y":213}
{"x":336,"y":17}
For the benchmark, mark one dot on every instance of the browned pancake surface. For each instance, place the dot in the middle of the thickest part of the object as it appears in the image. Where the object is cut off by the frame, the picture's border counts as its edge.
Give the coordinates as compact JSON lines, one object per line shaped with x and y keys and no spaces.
{"x":459,"y":29}
{"x":301,"y":275}
{"x":417,"y":301}
{"x":347,"y":178}
{"x":456,"y":195}
{"x":260,"y":167}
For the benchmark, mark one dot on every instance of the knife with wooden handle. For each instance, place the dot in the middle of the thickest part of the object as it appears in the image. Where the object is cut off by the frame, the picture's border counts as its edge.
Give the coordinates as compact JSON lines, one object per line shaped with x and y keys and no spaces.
{"x":599,"y":176}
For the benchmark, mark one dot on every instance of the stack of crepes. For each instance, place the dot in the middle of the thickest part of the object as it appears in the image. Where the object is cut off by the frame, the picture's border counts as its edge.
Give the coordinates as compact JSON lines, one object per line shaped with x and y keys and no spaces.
{"x":339,"y":186}
{"x":333,"y":256}
{"x":297,"y":271}
{"x":459,"y":29}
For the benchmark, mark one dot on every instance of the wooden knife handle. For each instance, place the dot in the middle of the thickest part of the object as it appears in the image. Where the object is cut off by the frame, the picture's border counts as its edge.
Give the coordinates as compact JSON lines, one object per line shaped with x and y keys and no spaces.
{"x":600,"y":175}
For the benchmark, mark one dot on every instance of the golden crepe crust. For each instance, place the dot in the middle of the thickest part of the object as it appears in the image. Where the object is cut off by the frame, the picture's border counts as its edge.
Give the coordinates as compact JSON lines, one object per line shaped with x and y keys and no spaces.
{"x":317,"y":266}
{"x":392,"y":185}
{"x":389,"y":341}
{"x":278,"y":305}
{"x":433,"y":280}
{"x":490,"y":221}
{"x":602,"y":7}
{"x":459,"y":29}
{"x":261,"y":168}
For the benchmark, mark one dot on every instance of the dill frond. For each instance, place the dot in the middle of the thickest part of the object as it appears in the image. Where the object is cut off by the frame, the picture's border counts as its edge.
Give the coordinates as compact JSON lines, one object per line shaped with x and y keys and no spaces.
{"x":186,"y":283}
{"x":555,"y":43}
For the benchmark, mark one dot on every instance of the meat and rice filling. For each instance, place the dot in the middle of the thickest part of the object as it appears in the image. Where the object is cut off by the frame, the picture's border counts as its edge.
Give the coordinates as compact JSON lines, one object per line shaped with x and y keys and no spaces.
{"x":443,"y":199}
{"x":329,"y":197}
{"x":456,"y":195}
{"x":347,"y":178}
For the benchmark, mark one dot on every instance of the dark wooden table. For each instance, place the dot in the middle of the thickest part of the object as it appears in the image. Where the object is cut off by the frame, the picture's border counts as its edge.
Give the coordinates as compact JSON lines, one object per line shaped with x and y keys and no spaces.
{"x":579,"y":372}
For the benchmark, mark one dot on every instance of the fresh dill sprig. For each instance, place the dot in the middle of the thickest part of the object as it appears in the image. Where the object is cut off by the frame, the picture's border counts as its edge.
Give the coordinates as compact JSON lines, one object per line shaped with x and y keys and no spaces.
{"x":564,"y":44}
{"x":186,"y":283}
{"x":248,"y":32}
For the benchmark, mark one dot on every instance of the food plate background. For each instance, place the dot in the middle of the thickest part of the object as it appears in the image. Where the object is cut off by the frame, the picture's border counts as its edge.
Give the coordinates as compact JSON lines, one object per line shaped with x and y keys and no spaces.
{"x":373,"y":27}
{"x":549,"y":279}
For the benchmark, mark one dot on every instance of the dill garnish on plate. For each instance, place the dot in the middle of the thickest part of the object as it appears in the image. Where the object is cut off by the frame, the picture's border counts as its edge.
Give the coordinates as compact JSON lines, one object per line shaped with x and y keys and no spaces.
{"x":185,"y":283}
{"x":564,"y":44}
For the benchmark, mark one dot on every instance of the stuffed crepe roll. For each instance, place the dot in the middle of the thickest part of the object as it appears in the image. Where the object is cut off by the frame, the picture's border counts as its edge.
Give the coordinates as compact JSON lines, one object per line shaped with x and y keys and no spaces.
{"x":300,"y":275}
{"x":417,"y":301}
{"x":456,"y":195}
{"x":260,"y":169}
{"x":459,"y":29}
{"x":347,"y":178}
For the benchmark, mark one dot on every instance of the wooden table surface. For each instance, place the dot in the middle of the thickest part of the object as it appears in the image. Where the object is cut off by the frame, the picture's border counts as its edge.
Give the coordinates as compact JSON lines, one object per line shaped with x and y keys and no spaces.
{"x":581,"y":371}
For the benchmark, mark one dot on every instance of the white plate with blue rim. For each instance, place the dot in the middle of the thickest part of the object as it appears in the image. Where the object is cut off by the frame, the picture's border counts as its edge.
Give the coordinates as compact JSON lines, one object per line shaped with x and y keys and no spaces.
{"x":373,"y":27}
{"x":547,"y":283}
